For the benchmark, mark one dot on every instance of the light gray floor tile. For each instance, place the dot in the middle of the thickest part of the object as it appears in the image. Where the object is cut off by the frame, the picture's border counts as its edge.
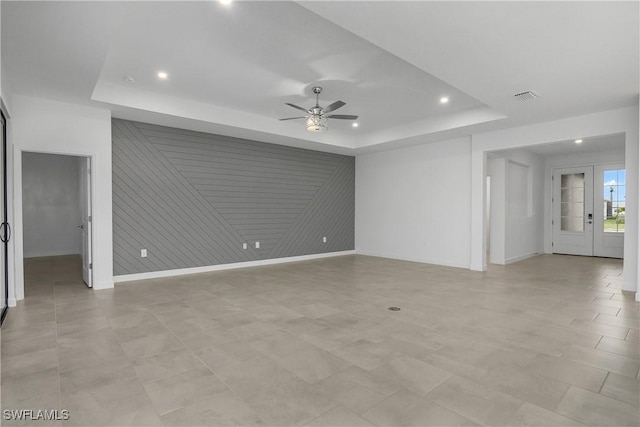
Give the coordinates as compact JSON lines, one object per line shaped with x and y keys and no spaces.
{"x":339,"y":417}
{"x":412,"y":374}
{"x":594,"y":409}
{"x":475,"y":401}
{"x":409,"y":409}
{"x":532,"y":415}
{"x":274,"y":345}
{"x":622,"y":388}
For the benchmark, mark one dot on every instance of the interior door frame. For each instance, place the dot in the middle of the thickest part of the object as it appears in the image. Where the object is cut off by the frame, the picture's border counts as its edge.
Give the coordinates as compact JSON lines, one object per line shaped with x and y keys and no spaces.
{"x":87,"y":219}
{"x":19,"y":292}
{"x":5,"y":218}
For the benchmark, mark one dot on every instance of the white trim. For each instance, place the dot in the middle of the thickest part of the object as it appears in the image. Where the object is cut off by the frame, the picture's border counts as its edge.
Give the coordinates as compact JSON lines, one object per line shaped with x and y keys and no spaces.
{"x":102,"y":285}
{"x":220,"y":267}
{"x":438,"y":262}
{"x":11,"y":302}
{"x":520,"y":258}
{"x":50,"y":253}
{"x":478,"y":267}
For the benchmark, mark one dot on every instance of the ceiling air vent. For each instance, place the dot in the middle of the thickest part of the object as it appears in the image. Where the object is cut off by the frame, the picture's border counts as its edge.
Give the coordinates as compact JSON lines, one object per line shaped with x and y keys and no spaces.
{"x":526,"y":96}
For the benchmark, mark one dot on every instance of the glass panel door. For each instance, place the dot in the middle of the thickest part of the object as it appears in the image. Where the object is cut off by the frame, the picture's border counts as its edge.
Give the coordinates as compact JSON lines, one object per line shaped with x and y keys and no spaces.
{"x":573,"y":211}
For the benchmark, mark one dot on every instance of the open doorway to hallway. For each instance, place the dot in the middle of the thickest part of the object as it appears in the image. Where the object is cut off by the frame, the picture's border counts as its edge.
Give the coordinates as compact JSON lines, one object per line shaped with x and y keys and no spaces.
{"x":56,"y":192}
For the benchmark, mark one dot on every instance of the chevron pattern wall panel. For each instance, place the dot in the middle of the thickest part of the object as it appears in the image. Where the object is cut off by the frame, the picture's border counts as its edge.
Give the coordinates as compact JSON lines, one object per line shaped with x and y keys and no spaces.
{"x":192,"y":199}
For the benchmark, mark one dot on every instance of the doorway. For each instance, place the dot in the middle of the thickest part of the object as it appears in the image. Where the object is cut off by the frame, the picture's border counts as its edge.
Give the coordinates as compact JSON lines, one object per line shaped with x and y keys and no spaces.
{"x":57,"y":215}
{"x":588,"y":210}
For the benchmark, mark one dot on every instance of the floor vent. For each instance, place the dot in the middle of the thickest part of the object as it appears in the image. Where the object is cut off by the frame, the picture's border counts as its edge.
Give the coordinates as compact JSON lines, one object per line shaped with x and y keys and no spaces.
{"x":394,"y":308}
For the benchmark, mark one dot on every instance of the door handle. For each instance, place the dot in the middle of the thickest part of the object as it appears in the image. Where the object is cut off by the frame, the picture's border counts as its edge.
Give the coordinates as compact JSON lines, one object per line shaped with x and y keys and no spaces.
{"x":81,"y":226}
{"x":5,"y":232}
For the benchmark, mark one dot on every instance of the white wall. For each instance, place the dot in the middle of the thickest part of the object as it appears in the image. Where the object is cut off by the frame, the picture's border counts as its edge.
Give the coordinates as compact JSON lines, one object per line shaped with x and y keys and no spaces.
{"x":525,"y":205}
{"x":623,"y":120}
{"x":50,"y":204}
{"x":413,"y":203}
{"x":496,"y":169}
{"x":40,"y":125}
{"x":517,"y":213}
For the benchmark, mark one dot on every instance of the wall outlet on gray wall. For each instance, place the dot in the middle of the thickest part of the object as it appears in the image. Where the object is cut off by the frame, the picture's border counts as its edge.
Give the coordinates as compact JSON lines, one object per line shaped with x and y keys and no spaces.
{"x":324,"y":240}
{"x":143,"y":253}
{"x":257,"y":245}
{"x":244,"y":246}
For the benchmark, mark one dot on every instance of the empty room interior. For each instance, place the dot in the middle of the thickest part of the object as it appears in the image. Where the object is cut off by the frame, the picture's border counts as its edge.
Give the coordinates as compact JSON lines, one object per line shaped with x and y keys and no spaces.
{"x":320,"y":213}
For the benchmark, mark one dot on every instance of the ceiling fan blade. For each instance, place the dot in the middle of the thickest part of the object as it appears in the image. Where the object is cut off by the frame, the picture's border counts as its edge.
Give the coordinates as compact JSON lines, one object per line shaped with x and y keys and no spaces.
{"x":343,"y":116}
{"x":296,"y":107}
{"x":332,"y":107}
{"x":292,"y":118}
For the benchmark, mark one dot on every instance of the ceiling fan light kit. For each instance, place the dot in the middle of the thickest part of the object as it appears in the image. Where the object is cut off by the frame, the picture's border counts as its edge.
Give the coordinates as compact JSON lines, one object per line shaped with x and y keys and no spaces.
{"x":316,"y":123}
{"x":318,"y":117}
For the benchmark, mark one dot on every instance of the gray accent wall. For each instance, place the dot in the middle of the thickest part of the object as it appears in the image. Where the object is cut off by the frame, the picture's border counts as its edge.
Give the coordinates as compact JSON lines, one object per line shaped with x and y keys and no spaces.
{"x":192,"y":199}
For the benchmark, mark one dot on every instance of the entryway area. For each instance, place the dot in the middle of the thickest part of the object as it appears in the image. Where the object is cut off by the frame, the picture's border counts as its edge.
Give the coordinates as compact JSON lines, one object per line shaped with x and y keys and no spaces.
{"x":566,"y":197}
{"x":56,"y":196}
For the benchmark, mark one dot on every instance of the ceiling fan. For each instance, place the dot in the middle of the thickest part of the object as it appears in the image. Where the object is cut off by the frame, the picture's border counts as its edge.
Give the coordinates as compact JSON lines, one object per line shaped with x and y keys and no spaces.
{"x":318,"y":116}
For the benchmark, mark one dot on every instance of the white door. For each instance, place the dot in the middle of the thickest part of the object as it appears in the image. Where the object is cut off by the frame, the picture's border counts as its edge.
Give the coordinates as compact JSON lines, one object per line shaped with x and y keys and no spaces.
{"x":610,"y":195}
{"x":86,"y":226}
{"x":4,"y":225}
{"x":573,"y":211}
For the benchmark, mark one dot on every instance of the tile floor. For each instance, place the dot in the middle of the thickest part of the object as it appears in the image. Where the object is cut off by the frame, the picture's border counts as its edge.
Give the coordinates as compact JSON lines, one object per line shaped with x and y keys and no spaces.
{"x":547,"y":341}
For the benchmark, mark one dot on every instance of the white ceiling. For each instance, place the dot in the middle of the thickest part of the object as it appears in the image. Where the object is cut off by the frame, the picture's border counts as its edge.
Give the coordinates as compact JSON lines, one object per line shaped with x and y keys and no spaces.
{"x":232,"y":69}
{"x":614,"y":143}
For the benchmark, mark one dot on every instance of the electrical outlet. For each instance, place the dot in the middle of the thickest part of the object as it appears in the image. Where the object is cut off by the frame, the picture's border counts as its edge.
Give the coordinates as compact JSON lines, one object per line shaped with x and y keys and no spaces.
{"x":324,"y":240}
{"x":143,"y":253}
{"x":257,"y":245}
{"x":244,"y":246}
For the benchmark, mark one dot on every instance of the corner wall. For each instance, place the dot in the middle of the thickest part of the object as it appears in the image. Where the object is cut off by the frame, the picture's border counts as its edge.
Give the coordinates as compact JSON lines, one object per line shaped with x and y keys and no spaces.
{"x":413,"y":203}
{"x":43,"y":126}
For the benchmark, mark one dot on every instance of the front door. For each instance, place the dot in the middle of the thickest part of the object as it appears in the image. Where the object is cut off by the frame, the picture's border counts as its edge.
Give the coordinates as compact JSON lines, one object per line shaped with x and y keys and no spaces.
{"x":573,"y":214}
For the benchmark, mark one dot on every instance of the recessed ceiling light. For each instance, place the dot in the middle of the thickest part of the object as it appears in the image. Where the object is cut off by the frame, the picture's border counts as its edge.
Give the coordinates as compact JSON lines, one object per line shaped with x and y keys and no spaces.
{"x":129,"y":79}
{"x":225,"y":2}
{"x":162,"y":75}
{"x":578,"y":141}
{"x":444,"y":100}
{"x":355,"y":125}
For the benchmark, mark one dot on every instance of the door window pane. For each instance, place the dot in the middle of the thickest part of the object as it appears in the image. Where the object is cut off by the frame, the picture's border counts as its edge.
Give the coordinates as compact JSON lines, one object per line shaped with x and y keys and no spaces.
{"x":614,"y":194}
{"x":572,"y":202}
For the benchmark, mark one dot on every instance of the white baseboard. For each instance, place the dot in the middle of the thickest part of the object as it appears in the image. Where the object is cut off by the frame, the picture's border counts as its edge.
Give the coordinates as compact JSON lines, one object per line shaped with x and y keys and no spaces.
{"x":108,"y":284}
{"x":445,"y":263}
{"x":520,"y":258}
{"x":631,"y":286}
{"x":478,"y":267}
{"x":11,"y":302}
{"x":221,"y":267}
